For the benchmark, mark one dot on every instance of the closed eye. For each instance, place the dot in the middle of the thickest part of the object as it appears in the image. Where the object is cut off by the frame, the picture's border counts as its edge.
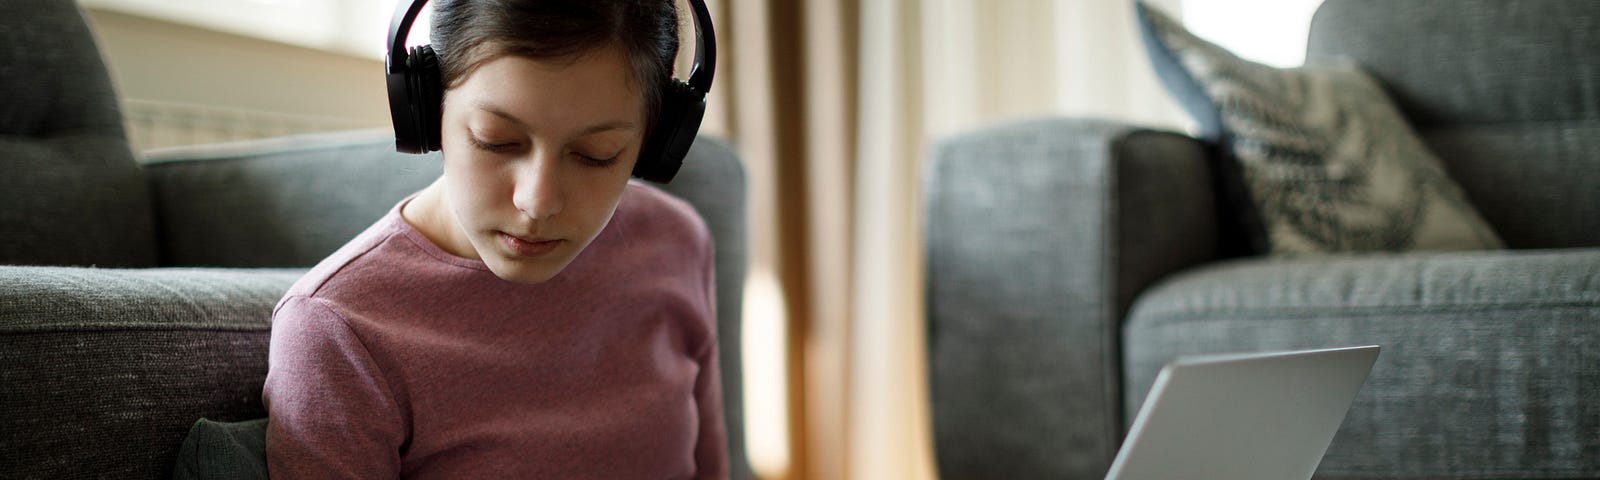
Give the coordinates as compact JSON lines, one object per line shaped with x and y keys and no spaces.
{"x":493,"y":147}
{"x":596,"y":162}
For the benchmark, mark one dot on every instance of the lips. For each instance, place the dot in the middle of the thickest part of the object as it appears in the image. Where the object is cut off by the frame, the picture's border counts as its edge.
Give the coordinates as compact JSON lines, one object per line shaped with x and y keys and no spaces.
{"x":528,"y":247}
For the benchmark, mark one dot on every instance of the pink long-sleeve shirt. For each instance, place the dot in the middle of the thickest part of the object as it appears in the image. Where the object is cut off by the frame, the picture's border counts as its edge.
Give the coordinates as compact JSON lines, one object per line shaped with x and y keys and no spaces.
{"x":395,"y":359}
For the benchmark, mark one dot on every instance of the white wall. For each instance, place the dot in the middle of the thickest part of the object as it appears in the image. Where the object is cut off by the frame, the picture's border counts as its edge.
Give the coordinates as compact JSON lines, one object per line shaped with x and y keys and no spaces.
{"x":189,"y":69}
{"x":1272,"y":32}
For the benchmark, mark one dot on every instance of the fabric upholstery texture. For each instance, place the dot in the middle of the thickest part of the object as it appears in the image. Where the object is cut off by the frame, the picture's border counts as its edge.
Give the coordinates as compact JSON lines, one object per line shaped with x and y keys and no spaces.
{"x":1488,"y":362}
{"x":285,"y":202}
{"x":1328,"y":162}
{"x":106,"y":369}
{"x":1506,"y":92}
{"x":70,"y":191}
{"x":223,"y":451}
{"x":1038,"y":234}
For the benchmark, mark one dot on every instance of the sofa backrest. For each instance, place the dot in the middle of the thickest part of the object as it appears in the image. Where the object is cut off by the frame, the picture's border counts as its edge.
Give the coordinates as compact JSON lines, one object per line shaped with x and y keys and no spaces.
{"x":284,"y":202}
{"x":1507,"y":93}
{"x":70,"y":191}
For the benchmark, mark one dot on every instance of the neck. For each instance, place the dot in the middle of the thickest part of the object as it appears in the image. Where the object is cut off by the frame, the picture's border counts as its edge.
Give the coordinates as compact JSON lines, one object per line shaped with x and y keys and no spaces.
{"x":430,"y":215}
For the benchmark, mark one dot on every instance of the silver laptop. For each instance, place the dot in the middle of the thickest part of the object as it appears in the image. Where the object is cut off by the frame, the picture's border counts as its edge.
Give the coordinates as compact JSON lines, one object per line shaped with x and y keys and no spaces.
{"x":1266,"y":416}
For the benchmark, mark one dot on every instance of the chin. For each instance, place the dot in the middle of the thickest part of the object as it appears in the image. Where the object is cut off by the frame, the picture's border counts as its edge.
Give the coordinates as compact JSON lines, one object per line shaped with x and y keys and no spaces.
{"x":524,"y":272}
{"x":519,"y":269}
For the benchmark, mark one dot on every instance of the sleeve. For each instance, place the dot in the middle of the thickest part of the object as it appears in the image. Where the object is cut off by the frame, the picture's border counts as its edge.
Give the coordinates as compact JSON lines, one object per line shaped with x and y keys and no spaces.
{"x":711,"y":453}
{"x":330,"y":411}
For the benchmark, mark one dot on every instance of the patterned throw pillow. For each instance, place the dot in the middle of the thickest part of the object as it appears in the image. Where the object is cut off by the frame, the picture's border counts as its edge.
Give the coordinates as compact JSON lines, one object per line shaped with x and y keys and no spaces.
{"x":1319,"y":158}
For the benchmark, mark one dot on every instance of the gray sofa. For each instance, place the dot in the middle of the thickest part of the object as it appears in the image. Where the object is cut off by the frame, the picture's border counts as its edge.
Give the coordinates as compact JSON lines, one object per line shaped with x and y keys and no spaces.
{"x":1068,"y":259}
{"x":103,"y":370}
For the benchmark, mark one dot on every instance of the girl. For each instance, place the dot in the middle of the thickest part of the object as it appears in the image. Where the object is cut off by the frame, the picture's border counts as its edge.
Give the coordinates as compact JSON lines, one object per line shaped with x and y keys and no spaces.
{"x":532,"y":313}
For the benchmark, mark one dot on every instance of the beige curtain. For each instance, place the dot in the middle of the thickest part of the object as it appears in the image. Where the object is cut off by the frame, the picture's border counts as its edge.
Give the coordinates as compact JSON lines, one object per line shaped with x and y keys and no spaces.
{"x":784,"y":96}
{"x":832,"y":103}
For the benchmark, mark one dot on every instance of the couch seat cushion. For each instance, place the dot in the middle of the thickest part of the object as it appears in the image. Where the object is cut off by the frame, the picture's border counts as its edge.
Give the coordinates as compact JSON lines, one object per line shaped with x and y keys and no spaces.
{"x":1489,"y":359}
{"x":103,"y":371}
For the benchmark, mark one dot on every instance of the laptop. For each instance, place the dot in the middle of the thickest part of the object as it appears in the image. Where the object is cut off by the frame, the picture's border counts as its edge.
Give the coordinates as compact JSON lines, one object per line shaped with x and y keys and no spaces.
{"x":1261,"y":416}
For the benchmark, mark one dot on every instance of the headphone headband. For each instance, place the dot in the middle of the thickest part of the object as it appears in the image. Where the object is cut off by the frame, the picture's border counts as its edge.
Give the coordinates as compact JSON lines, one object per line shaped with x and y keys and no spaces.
{"x":705,"y":48}
{"x":399,"y":28}
{"x":705,"y":42}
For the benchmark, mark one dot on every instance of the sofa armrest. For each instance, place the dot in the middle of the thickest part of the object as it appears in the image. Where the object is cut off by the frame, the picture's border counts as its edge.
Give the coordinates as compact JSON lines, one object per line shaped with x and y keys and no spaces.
{"x":1039,"y":234}
{"x":283,"y":202}
{"x":103,"y":371}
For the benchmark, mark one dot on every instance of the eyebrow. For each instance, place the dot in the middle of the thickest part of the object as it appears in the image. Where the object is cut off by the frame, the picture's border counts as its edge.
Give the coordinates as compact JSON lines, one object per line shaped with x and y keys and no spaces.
{"x":611,"y":125}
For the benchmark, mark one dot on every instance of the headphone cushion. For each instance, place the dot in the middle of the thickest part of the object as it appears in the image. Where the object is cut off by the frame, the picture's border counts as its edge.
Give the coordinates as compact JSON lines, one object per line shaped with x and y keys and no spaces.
{"x":427,"y":94}
{"x":677,"y":123}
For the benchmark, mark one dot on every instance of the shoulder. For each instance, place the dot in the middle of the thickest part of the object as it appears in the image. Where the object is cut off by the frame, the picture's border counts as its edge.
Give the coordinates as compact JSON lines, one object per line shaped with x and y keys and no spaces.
{"x":652,"y":234}
{"x":312,"y":283}
{"x":666,"y":247}
{"x":647,"y":208}
{"x":299,"y":315}
{"x":361,"y":261}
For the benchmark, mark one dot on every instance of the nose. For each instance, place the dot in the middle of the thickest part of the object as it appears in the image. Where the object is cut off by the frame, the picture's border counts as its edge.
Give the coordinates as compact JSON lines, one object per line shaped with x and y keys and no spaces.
{"x":539,"y":194}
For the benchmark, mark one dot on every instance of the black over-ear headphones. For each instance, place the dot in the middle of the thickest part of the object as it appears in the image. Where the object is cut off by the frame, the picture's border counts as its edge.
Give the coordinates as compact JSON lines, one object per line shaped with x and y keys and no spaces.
{"x":416,"y":96}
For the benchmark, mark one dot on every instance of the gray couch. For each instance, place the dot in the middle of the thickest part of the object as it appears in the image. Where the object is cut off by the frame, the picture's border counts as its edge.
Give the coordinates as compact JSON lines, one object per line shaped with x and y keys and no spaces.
{"x":1069,"y":259}
{"x":103,"y":370}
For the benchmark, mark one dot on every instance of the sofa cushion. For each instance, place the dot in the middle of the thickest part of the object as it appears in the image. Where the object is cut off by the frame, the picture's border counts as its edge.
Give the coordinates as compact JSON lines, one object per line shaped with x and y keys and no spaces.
{"x":1327,"y":162}
{"x":70,"y":191}
{"x":279,"y":202}
{"x":1488,"y":363}
{"x":1507,"y":93}
{"x":223,"y":451}
{"x":102,"y":371}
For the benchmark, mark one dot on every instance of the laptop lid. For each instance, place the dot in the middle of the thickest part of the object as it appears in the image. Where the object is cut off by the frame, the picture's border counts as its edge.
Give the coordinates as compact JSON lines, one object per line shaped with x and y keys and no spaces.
{"x":1261,"y":416}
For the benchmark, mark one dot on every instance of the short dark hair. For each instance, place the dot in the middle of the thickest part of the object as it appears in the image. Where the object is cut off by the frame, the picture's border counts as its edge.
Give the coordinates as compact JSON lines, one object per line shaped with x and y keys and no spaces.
{"x":468,"y":33}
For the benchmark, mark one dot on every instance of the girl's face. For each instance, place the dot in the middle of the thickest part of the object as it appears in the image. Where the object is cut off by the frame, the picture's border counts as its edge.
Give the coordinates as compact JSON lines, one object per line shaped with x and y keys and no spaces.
{"x":537,"y":154}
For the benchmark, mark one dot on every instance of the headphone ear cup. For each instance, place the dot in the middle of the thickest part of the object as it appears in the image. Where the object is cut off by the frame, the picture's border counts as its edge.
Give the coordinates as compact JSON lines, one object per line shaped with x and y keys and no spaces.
{"x":401,"y":113}
{"x":677,"y":123}
{"x":426,"y":95}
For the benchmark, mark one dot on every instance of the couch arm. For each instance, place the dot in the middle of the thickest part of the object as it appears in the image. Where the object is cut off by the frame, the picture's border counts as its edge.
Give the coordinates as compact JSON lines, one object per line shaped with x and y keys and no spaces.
{"x":1038,"y":236}
{"x":103,"y":371}
{"x":283,"y":202}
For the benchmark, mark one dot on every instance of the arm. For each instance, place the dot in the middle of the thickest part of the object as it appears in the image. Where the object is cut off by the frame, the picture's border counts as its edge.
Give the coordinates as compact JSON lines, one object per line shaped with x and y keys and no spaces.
{"x":713,"y":181}
{"x":1039,"y":234}
{"x":711,"y":453}
{"x":331,"y":413}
